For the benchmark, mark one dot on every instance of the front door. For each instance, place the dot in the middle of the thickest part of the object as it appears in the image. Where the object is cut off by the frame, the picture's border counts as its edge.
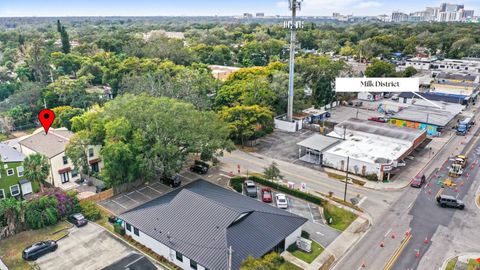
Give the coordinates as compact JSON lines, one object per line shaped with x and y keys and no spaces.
{"x":95,"y":167}
{"x":65,"y":177}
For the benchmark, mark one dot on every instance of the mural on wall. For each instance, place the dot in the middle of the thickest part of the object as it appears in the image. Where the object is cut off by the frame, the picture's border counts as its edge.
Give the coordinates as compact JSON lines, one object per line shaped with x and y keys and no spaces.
{"x":432,"y":130}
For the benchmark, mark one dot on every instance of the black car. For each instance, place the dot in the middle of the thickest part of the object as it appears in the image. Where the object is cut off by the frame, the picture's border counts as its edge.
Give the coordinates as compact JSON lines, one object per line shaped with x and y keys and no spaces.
{"x":36,"y":250}
{"x":173,"y":181}
{"x":199,"y":168}
{"x":78,"y":220}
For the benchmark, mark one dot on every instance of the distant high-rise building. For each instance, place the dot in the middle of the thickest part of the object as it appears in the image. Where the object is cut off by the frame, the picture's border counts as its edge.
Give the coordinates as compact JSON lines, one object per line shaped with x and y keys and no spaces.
{"x":247,"y":15}
{"x":260,"y":15}
{"x":398,"y":16}
{"x":445,"y":13}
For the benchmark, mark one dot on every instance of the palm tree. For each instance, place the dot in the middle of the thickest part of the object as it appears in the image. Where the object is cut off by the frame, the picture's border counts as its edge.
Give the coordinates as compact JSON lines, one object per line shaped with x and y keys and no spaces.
{"x":36,"y":169}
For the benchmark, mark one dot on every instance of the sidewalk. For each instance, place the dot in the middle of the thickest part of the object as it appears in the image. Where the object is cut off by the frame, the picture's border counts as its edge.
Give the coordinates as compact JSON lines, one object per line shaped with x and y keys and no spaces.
{"x":2,"y":265}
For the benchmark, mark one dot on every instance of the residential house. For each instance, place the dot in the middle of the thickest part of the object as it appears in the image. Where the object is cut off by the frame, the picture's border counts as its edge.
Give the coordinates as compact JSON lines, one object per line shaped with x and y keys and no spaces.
{"x":12,"y":182}
{"x":52,"y":145}
{"x":205,"y":226}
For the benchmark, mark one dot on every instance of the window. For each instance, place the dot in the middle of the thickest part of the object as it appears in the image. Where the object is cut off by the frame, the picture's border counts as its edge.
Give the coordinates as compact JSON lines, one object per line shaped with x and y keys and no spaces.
{"x":193,"y":264}
{"x":129,"y":227}
{"x":65,"y":160}
{"x":136,"y":232}
{"x":74,"y":173}
{"x":2,"y":194}
{"x":15,"y":190}
{"x":10,"y":172}
{"x":20,"y":171}
{"x":90,"y":152}
{"x":179,"y":256}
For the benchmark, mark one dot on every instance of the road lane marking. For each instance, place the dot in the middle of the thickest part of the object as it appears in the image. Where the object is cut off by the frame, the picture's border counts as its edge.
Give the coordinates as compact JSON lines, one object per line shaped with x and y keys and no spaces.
{"x":387,"y":233}
{"x":321,"y":234}
{"x":440,"y":191}
{"x":397,"y":252}
{"x":410,"y":205}
{"x":362,"y":200}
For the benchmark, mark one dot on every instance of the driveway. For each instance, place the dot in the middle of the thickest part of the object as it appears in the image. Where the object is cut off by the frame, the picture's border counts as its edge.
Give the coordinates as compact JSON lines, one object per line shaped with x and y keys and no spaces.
{"x":88,"y":247}
{"x":318,"y":230}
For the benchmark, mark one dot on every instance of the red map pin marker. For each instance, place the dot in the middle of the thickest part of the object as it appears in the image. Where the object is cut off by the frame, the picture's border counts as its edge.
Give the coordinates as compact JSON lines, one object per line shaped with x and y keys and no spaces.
{"x":46,"y":117}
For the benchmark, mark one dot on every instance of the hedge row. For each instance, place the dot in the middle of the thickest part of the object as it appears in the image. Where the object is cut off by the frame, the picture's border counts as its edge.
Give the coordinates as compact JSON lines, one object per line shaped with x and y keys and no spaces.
{"x":236,"y":183}
{"x":294,"y":192}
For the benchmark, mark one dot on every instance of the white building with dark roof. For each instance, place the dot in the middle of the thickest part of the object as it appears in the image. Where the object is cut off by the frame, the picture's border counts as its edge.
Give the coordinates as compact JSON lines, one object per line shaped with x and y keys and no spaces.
{"x":205,"y":226}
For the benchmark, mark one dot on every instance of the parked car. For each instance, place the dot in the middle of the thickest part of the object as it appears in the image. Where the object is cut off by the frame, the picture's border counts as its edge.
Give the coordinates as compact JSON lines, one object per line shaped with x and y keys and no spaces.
{"x":250,"y":188}
{"x":378,"y":119}
{"x":198,"y":168}
{"x":173,"y":181}
{"x":387,"y":95}
{"x":450,"y":201}
{"x":418,"y":181}
{"x":395,"y":97}
{"x":266,"y":195}
{"x":36,"y":250}
{"x":77,"y":219}
{"x":281,"y":201}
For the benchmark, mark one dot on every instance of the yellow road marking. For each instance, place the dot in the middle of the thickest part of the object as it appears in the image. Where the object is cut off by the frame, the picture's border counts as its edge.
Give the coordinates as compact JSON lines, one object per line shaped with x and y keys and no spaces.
{"x":397,"y":252}
{"x":440,"y":191}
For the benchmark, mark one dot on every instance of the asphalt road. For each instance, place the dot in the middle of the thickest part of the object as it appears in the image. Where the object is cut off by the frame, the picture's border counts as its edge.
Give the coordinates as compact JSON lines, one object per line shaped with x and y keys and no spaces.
{"x":418,"y":212}
{"x":428,"y":216}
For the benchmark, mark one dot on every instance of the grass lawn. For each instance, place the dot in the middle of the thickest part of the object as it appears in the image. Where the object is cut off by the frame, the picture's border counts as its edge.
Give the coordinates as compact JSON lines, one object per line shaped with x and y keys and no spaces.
{"x":305,"y":256}
{"x":341,"y":218}
{"x":473,"y":265}
{"x":12,"y":247}
{"x":289,"y":266}
{"x":451,"y":264}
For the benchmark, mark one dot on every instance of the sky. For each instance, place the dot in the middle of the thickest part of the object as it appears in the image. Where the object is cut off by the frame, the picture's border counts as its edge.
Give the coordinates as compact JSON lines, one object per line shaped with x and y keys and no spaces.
{"x":55,"y":8}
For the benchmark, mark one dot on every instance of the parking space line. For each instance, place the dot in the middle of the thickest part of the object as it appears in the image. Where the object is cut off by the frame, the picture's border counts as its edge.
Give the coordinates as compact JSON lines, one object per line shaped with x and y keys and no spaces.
{"x":142,"y":188}
{"x":154,"y":189}
{"x":131,"y":198}
{"x":119,"y":204}
{"x":141,"y":257}
{"x":143,"y":194}
{"x":224,"y":175}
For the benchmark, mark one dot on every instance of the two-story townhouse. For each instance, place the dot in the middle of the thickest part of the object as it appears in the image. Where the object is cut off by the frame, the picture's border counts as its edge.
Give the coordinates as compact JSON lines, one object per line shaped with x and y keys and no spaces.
{"x":63,"y":174}
{"x":12,"y":181}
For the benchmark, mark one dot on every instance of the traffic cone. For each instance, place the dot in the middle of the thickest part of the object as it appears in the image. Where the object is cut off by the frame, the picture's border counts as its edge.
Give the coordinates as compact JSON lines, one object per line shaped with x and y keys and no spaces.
{"x":417,"y":253}
{"x":425,"y":241}
{"x":407,"y":233}
{"x":393,"y":236}
{"x":364,"y":265}
{"x":382,"y":244}
{"x":430,"y":192}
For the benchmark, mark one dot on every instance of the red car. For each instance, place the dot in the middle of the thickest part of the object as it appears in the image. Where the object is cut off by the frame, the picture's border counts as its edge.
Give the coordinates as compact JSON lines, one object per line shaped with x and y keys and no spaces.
{"x":266,"y":195}
{"x":378,"y":119}
{"x":418,"y":181}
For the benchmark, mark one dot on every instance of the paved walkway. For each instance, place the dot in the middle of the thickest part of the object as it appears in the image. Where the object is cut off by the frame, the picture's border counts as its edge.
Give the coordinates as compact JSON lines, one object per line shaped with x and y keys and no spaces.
{"x":2,"y":265}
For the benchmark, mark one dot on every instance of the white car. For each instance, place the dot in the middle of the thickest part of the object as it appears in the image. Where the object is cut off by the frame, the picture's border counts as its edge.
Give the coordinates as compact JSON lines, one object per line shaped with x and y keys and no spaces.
{"x":281,"y":201}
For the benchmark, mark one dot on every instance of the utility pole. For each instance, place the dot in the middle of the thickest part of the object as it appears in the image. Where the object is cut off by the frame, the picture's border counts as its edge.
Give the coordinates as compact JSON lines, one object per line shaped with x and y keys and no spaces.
{"x":344,"y":133}
{"x":346,"y":180}
{"x":294,"y":5}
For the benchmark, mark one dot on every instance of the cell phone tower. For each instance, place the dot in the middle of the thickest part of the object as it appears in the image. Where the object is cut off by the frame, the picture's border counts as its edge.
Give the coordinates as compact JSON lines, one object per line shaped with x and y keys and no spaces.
{"x":293,"y":25}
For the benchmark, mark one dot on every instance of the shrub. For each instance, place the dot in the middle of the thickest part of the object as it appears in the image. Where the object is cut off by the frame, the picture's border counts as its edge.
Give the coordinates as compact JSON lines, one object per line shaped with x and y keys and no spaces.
{"x":118,"y":228}
{"x":236,"y":183}
{"x":42,"y":212}
{"x":294,"y":192}
{"x":90,"y":210}
{"x":372,"y":177}
{"x":305,"y":235}
{"x":67,"y":202}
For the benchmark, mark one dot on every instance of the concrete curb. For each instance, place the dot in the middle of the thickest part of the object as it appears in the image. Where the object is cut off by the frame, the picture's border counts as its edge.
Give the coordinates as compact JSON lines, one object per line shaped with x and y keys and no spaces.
{"x":445,"y":262}
{"x":477,"y":198}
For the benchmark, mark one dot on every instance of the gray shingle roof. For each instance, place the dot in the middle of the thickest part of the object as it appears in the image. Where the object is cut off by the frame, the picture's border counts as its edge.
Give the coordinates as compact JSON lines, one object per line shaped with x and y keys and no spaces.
{"x":201,"y":220}
{"x":50,"y":144}
{"x":8,"y":154}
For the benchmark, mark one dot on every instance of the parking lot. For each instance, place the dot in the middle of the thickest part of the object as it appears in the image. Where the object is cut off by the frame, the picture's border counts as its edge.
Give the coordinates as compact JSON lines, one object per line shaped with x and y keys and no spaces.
{"x":282,"y":145}
{"x":318,"y":230}
{"x":89,"y":247}
{"x":126,"y":201}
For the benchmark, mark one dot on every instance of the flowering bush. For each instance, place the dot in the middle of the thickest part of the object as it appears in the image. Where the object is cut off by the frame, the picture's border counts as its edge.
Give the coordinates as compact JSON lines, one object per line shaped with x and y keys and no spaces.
{"x":67,"y":202}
